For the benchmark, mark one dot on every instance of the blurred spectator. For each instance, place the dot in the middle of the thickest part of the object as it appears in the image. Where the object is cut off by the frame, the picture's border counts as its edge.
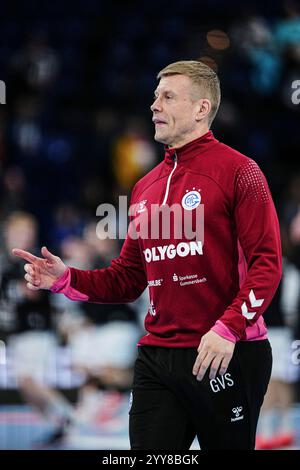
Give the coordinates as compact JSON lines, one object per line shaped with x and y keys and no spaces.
{"x":26,"y":129}
{"x":14,"y":191}
{"x":290,"y":220}
{"x":20,"y":310}
{"x":276,"y":424}
{"x":36,"y":64}
{"x":287,"y":31}
{"x":68,"y":222}
{"x":26,"y":316}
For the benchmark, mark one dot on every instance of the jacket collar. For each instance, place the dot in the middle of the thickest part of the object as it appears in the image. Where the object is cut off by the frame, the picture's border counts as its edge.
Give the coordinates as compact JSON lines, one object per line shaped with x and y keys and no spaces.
{"x":191,"y":149}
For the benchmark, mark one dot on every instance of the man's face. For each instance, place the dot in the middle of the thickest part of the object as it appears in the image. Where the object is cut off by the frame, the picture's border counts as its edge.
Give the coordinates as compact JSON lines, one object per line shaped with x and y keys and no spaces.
{"x":174,"y":111}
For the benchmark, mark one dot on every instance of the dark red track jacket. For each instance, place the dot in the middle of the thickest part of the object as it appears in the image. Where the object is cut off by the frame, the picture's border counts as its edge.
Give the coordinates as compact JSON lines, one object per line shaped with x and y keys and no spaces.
{"x":224,"y":281}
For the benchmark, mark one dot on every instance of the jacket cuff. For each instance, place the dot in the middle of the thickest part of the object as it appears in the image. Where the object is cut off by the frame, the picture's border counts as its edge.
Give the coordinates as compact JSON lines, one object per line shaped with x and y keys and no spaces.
{"x":63,"y":286}
{"x":224,"y":331}
{"x":62,"y":283}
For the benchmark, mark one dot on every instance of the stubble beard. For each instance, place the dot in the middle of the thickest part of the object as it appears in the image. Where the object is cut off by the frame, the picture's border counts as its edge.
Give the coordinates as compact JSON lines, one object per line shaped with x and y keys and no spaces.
{"x":161,"y":138}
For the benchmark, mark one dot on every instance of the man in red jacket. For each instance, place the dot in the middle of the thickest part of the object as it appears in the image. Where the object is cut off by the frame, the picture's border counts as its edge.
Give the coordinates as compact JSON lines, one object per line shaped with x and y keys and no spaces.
{"x":204,"y":365}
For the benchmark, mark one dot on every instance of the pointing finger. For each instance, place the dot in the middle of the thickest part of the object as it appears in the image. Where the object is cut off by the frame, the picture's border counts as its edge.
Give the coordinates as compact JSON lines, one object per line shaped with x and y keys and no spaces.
{"x":24,"y":255}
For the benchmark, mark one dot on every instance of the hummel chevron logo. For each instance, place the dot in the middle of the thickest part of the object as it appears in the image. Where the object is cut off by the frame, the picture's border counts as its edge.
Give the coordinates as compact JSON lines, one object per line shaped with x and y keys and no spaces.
{"x":254,"y":303}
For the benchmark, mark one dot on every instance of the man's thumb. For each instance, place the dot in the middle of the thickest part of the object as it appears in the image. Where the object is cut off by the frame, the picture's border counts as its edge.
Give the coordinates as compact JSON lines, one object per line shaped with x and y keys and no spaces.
{"x":46,"y":253}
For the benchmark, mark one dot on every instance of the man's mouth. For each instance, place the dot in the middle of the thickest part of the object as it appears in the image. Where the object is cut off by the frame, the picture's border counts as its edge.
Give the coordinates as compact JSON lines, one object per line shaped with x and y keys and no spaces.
{"x":158,"y":122}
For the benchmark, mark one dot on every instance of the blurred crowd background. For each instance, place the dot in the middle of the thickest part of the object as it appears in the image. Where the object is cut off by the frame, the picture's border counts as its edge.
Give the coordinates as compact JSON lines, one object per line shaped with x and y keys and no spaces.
{"x":76,"y":132}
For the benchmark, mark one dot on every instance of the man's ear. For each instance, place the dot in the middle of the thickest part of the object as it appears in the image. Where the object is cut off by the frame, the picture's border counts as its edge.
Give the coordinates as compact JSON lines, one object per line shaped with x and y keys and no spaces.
{"x":204,"y":109}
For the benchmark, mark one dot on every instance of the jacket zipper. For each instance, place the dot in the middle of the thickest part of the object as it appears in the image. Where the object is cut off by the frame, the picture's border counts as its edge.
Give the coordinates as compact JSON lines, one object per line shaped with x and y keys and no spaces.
{"x":169,"y":180}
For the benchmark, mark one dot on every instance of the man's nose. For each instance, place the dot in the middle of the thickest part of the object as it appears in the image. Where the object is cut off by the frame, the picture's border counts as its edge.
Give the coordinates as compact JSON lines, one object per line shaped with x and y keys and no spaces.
{"x":155,"y":105}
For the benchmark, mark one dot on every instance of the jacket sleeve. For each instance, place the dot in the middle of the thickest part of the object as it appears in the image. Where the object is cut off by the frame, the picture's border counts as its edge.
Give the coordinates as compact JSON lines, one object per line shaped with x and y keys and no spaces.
{"x":258,"y":235}
{"x":123,"y":281}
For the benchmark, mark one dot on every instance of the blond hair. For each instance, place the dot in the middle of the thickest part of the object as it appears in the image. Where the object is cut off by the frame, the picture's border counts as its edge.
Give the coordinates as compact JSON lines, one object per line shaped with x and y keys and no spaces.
{"x":206,"y":81}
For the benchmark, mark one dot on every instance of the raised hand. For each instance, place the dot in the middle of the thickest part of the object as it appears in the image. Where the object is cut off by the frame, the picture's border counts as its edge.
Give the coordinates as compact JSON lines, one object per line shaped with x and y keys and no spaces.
{"x":41,"y":273}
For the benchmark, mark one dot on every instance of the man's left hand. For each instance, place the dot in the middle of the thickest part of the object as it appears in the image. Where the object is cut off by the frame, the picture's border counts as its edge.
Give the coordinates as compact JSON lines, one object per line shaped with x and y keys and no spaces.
{"x":214,"y":352}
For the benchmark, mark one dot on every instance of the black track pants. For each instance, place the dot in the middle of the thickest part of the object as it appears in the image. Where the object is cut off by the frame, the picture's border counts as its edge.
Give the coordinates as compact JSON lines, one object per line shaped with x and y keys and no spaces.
{"x":170,"y":407}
